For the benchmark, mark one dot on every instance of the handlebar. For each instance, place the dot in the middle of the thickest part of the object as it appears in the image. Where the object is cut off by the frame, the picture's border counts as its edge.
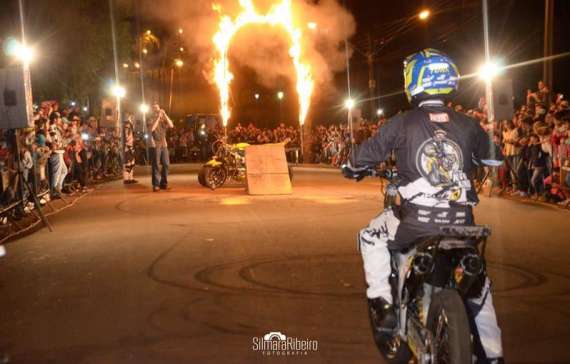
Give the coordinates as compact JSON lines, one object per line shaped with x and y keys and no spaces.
{"x":360,"y":173}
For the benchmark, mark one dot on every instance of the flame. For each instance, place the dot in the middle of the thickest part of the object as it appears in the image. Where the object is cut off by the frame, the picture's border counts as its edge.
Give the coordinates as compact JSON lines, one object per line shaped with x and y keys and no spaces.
{"x":281,"y":15}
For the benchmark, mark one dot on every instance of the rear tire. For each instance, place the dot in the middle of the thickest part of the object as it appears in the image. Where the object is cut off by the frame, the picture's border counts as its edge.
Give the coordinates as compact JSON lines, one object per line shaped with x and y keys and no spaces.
{"x":449,"y":324}
{"x":215,"y":177}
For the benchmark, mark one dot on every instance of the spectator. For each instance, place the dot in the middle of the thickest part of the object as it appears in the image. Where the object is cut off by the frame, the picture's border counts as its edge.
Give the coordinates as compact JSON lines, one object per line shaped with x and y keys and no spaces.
{"x":537,"y":166}
{"x":129,"y":152}
{"x":512,"y":152}
{"x":57,"y":164}
{"x":541,"y":96}
{"x":79,"y":163}
{"x":159,"y":122}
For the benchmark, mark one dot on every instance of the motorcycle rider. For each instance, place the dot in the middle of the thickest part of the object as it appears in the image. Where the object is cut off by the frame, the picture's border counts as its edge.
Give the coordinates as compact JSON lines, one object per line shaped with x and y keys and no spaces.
{"x":434,"y":148}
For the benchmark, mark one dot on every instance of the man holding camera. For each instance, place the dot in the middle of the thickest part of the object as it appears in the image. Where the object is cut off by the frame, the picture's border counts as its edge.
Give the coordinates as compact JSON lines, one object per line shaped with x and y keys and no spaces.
{"x":159,"y":123}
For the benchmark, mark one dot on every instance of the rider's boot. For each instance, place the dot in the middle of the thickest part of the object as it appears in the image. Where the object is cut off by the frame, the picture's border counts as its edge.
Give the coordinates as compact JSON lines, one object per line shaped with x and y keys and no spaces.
{"x":383,"y":315}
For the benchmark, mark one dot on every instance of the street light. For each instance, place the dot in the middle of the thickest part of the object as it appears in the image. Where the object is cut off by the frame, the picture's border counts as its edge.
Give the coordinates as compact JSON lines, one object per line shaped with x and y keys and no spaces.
{"x":312,"y":25}
{"x":25,"y":54}
{"x":280,"y":95}
{"x":380,"y":112}
{"x":180,"y":31}
{"x":488,"y":71}
{"x":144,"y":108}
{"x":424,"y":14}
{"x":19,"y":51}
{"x":125,"y":65}
{"x":257,"y":96}
{"x":349,"y":104}
{"x":118,"y":91}
{"x":178,"y":62}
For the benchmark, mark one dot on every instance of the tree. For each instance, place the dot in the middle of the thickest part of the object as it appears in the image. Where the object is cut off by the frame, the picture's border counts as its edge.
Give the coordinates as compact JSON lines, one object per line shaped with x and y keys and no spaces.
{"x":74,"y":45}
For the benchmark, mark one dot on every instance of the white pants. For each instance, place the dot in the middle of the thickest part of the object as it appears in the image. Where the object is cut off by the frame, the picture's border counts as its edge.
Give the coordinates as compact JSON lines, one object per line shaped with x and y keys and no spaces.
{"x":59,"y":171}
{"x":128,"y":175}
{"x":373,"y":242}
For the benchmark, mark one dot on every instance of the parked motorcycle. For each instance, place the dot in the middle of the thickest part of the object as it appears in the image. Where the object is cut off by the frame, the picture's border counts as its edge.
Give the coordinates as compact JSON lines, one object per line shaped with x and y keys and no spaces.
{"x":228,"y":163}
{"x":431,"y":284}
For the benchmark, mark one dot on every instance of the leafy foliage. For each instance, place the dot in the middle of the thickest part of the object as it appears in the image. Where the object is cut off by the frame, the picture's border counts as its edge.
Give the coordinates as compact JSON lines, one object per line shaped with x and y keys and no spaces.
{"x":74,"y":44}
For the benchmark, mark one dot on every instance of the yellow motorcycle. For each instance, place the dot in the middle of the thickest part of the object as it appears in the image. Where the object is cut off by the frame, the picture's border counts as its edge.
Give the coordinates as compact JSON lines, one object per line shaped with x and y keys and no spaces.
{"x":228,"y":163}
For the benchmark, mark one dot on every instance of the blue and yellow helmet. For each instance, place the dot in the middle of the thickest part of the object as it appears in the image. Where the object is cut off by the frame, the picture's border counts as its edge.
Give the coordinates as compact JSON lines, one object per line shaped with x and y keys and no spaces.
{"x":430,"y":74}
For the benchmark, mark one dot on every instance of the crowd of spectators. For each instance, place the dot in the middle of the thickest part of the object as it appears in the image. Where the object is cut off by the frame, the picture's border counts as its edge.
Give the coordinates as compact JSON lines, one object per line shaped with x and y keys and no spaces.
{"x":535,"y":143}
{"x":331,"y":144}
{"x":66,"y":150}
{"x":61,"y":154}
{"x":192,"y":144}
{"x":536,"y":146}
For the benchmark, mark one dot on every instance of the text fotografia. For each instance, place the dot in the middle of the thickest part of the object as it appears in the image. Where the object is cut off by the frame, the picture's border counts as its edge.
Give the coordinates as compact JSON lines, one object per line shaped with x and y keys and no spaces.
{"x":277,"y":344}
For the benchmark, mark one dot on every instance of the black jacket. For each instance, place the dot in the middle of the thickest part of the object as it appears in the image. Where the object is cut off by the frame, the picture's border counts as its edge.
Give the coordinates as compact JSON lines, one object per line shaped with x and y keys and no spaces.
{"x":435,"y":150}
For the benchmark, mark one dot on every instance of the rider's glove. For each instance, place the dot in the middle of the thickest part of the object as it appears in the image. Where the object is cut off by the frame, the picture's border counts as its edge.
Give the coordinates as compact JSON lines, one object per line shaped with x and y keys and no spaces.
{"x":354,"y":173}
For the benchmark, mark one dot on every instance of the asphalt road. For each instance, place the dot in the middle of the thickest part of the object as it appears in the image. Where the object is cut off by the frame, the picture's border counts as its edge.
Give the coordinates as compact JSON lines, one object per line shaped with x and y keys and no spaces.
{"x":191,"y":276}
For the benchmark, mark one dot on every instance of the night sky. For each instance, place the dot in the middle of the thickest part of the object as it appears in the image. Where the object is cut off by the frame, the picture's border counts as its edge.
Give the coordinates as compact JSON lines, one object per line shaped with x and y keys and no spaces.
{"x":455,"y":27}
{"x":516,"y":30}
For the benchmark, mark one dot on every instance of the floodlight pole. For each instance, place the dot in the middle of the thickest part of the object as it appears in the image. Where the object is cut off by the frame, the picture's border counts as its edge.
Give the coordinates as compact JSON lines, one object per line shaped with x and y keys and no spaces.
{"x":489,"y":92}
{"x":548,"y":41}
{"x":489,"y":81}
{"x":170,"y":93}
{"x":23,"y":184}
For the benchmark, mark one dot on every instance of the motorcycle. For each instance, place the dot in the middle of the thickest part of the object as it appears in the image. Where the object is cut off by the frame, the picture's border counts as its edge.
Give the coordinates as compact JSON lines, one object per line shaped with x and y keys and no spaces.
{"x":228,"y":162}
{"x":431,"y":284}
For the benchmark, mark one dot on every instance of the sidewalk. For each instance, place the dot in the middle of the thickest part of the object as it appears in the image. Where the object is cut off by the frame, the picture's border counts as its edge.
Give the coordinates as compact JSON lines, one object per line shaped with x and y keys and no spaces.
{"x":12,"y":228}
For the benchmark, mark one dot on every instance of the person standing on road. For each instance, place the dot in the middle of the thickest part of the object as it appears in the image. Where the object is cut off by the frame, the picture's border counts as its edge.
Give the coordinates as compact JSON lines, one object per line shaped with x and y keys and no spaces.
{"x":159,"y":123}
{"x":512,"y":152}
{"x":58,"y":168}
{"x":129,"y":158}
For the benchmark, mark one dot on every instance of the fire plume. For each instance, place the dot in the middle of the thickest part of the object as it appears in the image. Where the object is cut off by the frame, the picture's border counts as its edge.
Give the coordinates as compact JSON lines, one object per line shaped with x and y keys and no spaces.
{"x":281,"y":14}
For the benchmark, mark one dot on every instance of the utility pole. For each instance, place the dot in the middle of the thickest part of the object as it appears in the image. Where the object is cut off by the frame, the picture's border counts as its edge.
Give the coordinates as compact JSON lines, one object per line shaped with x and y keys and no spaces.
{"x":489,"y":82}
{"x":548,"y":41}
{"x":371,"y":78}
{"x":170,"y":91}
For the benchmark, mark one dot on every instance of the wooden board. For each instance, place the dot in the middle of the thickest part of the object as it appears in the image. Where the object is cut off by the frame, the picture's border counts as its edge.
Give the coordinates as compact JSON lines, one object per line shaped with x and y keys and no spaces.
{"x":267,"y":170}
